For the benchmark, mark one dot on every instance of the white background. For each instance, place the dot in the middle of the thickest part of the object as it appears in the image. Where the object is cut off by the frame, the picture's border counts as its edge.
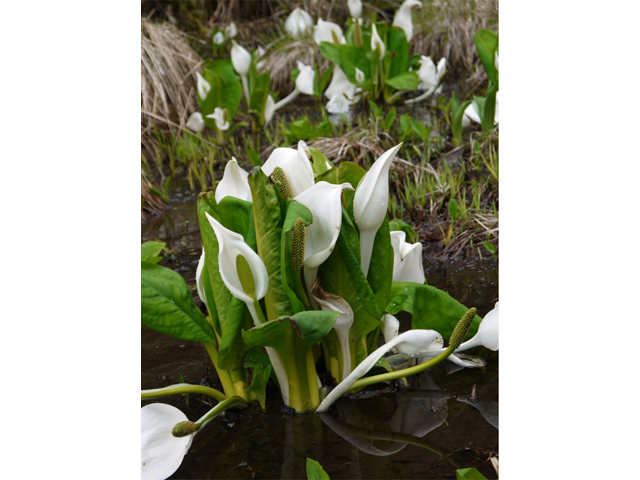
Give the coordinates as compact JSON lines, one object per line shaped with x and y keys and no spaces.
{"x":70,"y":237}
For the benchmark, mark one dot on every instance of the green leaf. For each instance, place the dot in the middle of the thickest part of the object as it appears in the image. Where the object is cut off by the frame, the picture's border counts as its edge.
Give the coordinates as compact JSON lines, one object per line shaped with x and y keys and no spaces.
{"x":348,"y":58}
{"x":388,"y":120}
{"x":487,"y":43}
{"x":420,"y":129}
{"x":259,"y":88}
{"x":167,"y":306}
{"x":319,"y":162}
{"x":469,"y":474}
{"x":237,"y":215}
{"x":404,"y":81}
{"x":381,"y":267}
{"x":262,"y":368}
{"x":488,"y":117}
{"x":454,"y":210}
{"x":151,"y":250}
{"x":397,"y":43}
{"x":456,"y":123}
{"x":268,"y":225}
{"x":254,"y":157}
{"x":399,"y":225}
{"x":225,"y":92}
{"x":345,"y":172}
{"x":315,"y":471}
{"x":231,"y":348}
{"x":432,"y":309}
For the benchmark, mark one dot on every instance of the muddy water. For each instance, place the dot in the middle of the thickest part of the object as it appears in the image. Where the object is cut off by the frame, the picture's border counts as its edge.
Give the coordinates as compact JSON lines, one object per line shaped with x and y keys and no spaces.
{"x":425,"y":431}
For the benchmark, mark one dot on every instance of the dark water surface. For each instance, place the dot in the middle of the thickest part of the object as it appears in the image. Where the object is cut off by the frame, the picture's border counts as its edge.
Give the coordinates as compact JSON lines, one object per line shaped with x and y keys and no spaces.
{"x":425,"y":431}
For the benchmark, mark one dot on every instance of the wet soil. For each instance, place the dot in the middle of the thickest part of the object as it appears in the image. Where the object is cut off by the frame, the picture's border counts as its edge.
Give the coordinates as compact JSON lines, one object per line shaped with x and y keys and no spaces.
{"x":425,"y":431}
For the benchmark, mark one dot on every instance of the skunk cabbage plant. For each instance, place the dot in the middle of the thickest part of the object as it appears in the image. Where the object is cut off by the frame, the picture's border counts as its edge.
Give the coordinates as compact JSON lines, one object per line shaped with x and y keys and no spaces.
{"x":298,"y":22}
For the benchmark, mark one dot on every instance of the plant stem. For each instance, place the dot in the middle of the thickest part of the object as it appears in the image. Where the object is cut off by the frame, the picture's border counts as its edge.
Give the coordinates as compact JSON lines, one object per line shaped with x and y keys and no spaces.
{"x":218,"y":409}
{"x":181,"y":389}
{"x":286,"y":100}
{"x":405,"y":372}
{"x":227,"y":385}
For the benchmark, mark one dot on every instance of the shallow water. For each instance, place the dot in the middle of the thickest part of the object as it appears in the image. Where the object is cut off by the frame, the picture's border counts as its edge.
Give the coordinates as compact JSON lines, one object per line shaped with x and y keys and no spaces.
{"x":424,"y":431}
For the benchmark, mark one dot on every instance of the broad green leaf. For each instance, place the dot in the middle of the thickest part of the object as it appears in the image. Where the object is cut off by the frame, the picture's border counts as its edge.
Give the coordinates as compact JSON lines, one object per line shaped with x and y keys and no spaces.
{"x":268,"y":224}
{"x":348,"y":58}
{"x":397,"y":43}
{"x":399,"y":225}
{"x":388,"y":120}
{"x":259,"y":88}
{"x":381,"y":267}
{"x":469,"y":474}
{"x":231,"y":348}
{"x":404,"y":81}
{"x":167,"y":306}
{"x":151,"y":250}
{"x":488,"y":116}
{"x":237,"y":215}
{"x":456,"y":123}
{"x":254,"y":157}
{"x":315,"y":471}
{"x":487,"y":43}
{"x":226,"y":90}
{"x":259,"y":362}
{"x":290,"y":284}
{"x":431,"y":309}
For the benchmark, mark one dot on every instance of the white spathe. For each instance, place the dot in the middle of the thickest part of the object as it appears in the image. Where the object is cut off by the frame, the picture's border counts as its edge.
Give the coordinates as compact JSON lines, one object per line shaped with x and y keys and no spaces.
{"x":295,"y":164}
{"x":305,"y":79}
{"x":269,"y":109}
{"x":411,"y":343}
{"x":323,"y":32}
{"x":199,"y":279}
{"x":359,"y":75}
{"x":218,"y":38}
{"x":376,"y":42}
{"x":230,"y":245}
{"x":430,"y":74}
{"x":219,"y":115}
{"x":370,"y":203}
{"x":496,"y":62}
{"x":195,"y":122}
{"x":234,"y":183}
{"x":203,"y":86}
{"x":324,"y":201}
{"x":334,"y":303}
{"x":340,"y":84}
{"x":241,"y":59}
{"x":231,"y":30}
{"x":402,"y":18}
{"x":407,"y":259}
{"x":488,"y":335}
{"x":355,"y":8}
{"x":390,"y":327}
{"x":162,"y":453}
{"x":298,"y":22}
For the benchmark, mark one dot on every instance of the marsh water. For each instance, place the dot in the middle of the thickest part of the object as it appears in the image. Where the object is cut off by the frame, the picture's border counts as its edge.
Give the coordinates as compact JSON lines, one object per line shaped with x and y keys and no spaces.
{"x":425,"y":431}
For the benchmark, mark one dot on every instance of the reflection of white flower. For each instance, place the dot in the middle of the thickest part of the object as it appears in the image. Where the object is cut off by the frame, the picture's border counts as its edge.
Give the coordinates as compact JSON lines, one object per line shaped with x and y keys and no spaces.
{"x":218,"y":38}
{"x":195,"y":122}
{"x":338,"y":104}
{"x":407,"y":259}
{"x":376,"y":42}
{"x":234,"y":183}
{"x":359,"y":75}
{"x":403,"y":17}
{"x":298,"y":22}
{"x":325,"y":31}
{"x":231,"y":30}
{"x":162,"y":453}
{"x":203,"y":87}
{"x":355,"y":8}
{"x":220,"y":116}
{"x":305,"y":79}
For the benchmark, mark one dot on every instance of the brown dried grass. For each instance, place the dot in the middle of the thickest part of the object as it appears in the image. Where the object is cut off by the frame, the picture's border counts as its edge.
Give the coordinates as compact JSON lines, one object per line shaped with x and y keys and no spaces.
{"x":168,"y":75}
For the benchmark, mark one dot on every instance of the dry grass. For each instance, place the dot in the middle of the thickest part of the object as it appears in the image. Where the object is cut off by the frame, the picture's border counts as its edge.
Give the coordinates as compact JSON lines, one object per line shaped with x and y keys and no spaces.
{"x":445,"y":28}
{"x":168,"y":76}
{"x":152,"y":204}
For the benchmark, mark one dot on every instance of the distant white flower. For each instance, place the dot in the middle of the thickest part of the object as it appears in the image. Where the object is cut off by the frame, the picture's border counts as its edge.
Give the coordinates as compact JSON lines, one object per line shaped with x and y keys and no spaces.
{"x":195,"y":122}
{"x":340,"y":84}
{"x":203,"y":87}
{"x":376,"y":42}
{"x":218,"y":38}
{"x":220,"y":116}
{"x":403,"y":17}
{"x":355,"y":8}
{"x":231,"y":30}
{"x":269,"y":109}
{"x":325,"y":31}
{"x":359,"y":75}
{"x":298,"y":22}
{"x":470,"y":114}
{"x":241,"y":59}
{"x":429,"y":74}
{"x":305,"y":79}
